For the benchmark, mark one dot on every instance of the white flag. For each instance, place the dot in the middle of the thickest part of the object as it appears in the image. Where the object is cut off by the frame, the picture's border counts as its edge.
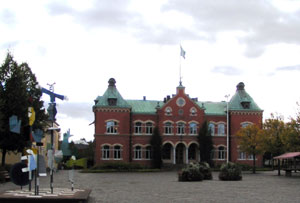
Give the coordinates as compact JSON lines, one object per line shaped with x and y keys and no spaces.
{"x":182,"y":52}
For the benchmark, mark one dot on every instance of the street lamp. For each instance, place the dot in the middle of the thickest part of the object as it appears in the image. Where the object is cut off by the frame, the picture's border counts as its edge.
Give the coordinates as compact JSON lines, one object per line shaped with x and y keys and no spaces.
{"x":227,"y":114}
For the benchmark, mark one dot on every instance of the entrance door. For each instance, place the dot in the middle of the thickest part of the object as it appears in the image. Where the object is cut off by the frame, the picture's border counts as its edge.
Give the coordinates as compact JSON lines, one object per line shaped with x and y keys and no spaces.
{"x":179,"y":154}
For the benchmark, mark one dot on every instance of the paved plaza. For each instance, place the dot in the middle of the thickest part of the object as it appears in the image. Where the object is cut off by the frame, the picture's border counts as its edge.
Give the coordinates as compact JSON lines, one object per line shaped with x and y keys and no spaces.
{"x":164,"y":187}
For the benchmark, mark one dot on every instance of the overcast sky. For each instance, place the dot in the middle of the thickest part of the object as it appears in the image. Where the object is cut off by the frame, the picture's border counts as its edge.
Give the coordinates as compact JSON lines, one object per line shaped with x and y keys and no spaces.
{"x":80,"y":44}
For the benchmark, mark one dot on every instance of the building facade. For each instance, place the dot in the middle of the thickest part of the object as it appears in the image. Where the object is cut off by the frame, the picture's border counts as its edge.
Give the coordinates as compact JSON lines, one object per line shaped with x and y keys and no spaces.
{"x":123,"y":128}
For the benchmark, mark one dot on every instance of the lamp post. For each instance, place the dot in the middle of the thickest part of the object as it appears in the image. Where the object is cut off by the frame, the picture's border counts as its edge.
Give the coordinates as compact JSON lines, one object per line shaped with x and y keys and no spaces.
{"x":227,"y":129}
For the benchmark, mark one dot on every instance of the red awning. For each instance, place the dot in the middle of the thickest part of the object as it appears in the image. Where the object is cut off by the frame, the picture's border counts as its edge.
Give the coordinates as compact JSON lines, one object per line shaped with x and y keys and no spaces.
{"x":288,"y":155}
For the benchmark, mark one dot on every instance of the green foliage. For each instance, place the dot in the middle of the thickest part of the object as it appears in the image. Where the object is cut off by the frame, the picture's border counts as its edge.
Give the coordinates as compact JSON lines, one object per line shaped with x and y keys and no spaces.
{"x":190,"y":173}
{"x":205,"y":170}
{"x":79,"y":163}
{"x":156,"y":144}
{"x":195,"y":172}
{"x":118,"y":166}
{"x":18,"y":91}
{"x":251,"y":141}
{"x":230,"y":171}
{"x":205,"y":143}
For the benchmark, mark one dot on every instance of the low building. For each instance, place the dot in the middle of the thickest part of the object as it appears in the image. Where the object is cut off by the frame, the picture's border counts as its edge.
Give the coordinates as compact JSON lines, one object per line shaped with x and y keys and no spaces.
{"x":123,"y":128}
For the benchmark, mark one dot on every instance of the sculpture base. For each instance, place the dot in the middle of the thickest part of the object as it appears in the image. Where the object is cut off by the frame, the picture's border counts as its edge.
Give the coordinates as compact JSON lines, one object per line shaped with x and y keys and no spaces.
{"x":59,"y":195}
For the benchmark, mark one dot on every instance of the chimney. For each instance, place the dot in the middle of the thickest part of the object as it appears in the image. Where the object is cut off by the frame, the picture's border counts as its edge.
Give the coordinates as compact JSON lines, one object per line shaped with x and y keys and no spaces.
{"x":144,"y":98}
{"x":168,"y":97}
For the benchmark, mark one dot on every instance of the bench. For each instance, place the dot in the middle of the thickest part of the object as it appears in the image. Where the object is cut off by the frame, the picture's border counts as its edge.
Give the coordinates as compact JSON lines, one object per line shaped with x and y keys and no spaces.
{"x":6,"y":175}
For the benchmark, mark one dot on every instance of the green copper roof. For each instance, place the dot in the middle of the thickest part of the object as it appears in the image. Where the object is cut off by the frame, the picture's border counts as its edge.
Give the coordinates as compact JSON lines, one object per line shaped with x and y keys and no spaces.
{"x":240,"y":97}
{"x":111,"y":93}
{"x":144,"y":106}
{"x":214,"y":108}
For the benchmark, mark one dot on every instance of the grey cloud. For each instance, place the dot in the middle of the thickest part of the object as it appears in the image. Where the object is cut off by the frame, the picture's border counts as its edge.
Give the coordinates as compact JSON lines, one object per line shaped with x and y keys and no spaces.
{"x":7,"y":17}
{"x":227,"y":70}
{"x":261,"y":23}
{"x":289,"y":68}
{"x":9,"y":45}
{"x":77,"y":110}
{"x":103,"y":14}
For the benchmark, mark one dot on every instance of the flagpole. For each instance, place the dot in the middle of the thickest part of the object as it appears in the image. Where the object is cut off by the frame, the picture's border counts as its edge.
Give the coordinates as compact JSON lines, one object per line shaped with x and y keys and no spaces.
{"x":180,"y":82}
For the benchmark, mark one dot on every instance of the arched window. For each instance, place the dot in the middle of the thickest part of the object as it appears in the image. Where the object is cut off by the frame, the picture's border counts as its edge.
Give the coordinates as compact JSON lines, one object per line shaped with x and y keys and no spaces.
{"x":111,"y":127}
{"x":148,"y":152}
{"x":168,"y":128}
{"x":180,"y":128}
{"x":117,"y":152}
{"x":211,"y":127}
{"x":193,"y":111}
{"x":105,"y":152}
{"x":149,"y":128}
{"x":221,"y":153}
{"x":138,"y":152}
{"x":168,"y":111}
{"x":221,"y":129}
{"x":245,"y":124}
{"x":193,"y":128}
{"x":138,"y":128}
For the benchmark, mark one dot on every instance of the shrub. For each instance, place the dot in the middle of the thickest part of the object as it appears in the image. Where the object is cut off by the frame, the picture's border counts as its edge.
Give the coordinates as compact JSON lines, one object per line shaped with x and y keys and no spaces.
{"x":191,"y":173}
{"x":230,"y":171}
{"x":205,"y":170}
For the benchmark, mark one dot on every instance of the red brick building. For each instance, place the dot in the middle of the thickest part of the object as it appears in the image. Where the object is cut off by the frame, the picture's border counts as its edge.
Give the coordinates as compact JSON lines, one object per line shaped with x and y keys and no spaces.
{"x":123,"y":128}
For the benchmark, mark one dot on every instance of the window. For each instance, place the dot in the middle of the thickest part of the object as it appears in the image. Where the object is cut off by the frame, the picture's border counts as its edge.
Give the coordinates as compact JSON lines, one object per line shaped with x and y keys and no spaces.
{"x":148,"y":152}
{"x":117,"y":152}
{"x":149,"y":128}
{"x":221,"y":129}
{"x":221,"y":153}
{"x":168,"y":128}
{"x":111,"y":127}
{"x":193,"y":128}
{"x":250,"y":156}
{"x":138,"y":128}
{"x":112,"y":101}
{"x":168,"y":111}
{"x":138,"y":152}
{"x":105,"y":152}
{"x":193,"y":111}
{"x":211,"y":127}
{"x":245,"y":124}
{"x":180,"y":128}
{"x":242,"y":155}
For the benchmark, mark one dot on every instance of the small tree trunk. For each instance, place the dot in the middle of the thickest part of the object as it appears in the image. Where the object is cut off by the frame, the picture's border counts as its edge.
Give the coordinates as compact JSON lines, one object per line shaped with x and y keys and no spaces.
{"x":253,"y":163}
{"x":3,"y":157}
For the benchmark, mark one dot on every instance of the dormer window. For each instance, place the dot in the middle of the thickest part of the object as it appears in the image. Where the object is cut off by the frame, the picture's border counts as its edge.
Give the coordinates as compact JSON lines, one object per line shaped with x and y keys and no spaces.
{"x":112,"y":102}
{"x":245,"y":104}
{"x":168,"y":111}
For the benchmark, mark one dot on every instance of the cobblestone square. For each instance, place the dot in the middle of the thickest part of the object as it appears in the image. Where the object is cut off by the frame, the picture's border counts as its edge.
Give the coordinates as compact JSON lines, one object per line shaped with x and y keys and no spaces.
{"x":164,"y":187}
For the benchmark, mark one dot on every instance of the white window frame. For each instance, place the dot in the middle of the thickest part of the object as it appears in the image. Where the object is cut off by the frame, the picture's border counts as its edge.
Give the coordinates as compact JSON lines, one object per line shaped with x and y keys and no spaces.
{"x":168,"y":129}
{"x":149,"y":128}
{"x":148,"y":153}
{"x":221,"y":128}
{"x":105,"y":152}
{"x":117,"y":152}
{"x":111,"y":127}
{"x":138,"y":129}
{"x":180,"y":128}
{"x":242,"y":155}
{"x":221,"y":153}
{"x":193,"y":130}
{"x":138,"y":153}
{"x":212,"y":129}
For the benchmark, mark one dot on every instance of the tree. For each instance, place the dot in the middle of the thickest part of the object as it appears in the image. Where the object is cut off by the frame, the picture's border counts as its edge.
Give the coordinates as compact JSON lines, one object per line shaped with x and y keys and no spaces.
{"x":274,"y":130}
{"x":205,"y":143}
{"x":18,"y":91}
{"x":250,"y":140}
{"x":156,"y":145}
